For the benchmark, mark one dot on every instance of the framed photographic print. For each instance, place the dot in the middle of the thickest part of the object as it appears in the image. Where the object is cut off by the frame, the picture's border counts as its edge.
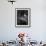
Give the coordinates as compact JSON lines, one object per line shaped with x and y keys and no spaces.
{"x":22,"y":17}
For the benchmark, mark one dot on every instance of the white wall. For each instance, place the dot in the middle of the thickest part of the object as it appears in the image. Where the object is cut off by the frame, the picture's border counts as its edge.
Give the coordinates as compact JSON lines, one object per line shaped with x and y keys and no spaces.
{"x":8,"y":31}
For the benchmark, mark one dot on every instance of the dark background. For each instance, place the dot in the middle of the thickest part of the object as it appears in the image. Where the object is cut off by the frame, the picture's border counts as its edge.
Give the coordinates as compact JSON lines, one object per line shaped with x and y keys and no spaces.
{"x":21,"y":19}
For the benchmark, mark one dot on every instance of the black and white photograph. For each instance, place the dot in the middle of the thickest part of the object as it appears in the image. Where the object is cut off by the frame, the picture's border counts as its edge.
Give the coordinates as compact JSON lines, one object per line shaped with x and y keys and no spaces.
{"x":22,"y":17}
